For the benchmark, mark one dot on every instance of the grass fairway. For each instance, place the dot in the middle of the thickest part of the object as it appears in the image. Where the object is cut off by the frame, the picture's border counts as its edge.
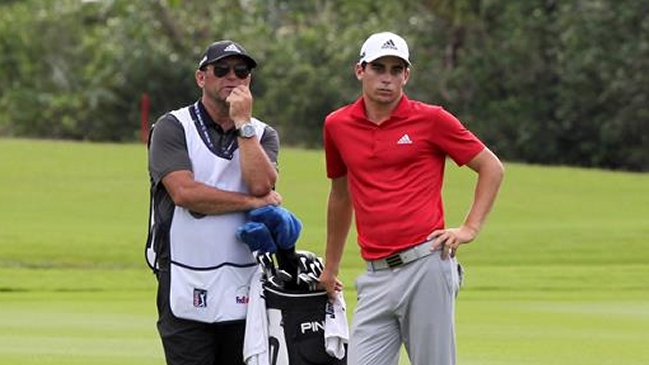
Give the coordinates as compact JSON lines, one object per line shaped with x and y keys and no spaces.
{"x":560,"y":274}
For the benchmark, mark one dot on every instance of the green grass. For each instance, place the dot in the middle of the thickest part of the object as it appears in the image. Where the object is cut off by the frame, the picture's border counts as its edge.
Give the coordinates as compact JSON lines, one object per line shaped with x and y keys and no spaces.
{"x":558,"y":276}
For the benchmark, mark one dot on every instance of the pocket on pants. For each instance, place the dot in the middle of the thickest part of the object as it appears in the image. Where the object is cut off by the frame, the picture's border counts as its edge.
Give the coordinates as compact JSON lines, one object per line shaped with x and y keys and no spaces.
{"x":452,"y":269}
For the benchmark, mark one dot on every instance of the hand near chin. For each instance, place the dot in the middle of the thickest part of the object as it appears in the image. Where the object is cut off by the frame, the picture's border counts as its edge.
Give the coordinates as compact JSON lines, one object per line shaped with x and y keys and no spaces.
{"x":240,"y":102}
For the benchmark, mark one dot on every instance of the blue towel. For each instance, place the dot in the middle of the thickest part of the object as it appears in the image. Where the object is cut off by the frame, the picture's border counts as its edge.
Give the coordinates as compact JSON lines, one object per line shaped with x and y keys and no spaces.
{"x":257,"y":237}
{"x":283,"y":225}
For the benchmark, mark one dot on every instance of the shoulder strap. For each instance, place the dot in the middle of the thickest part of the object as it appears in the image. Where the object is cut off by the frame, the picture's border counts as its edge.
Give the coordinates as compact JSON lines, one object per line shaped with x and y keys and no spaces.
{"x":150,"y":253}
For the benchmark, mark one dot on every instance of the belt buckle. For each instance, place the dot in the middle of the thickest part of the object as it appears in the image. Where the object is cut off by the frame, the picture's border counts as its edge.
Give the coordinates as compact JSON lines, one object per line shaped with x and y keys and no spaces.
{"x":394,"y":260}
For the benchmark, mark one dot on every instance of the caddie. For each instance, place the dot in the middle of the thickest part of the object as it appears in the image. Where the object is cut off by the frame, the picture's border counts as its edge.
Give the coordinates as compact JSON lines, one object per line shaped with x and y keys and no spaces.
{"x":210,"y":162}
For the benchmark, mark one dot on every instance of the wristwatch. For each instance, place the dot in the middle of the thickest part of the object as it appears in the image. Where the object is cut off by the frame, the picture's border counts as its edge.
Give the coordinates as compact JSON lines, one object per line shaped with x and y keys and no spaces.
{"x":247,"y":130}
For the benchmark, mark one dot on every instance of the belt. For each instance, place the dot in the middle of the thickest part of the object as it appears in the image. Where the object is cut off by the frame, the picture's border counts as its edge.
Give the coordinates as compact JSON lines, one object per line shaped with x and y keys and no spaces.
{"x":401,"y":258}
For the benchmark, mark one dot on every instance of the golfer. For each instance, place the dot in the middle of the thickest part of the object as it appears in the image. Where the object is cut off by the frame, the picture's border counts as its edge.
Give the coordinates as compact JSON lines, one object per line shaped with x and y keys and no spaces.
{"x":385,"y":156}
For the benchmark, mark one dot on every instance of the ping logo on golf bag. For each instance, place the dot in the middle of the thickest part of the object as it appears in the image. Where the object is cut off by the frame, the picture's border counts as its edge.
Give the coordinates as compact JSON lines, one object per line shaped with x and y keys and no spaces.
{"x":200,"y":298}
{"x":311,"y":327}
{"x":296,"y":327}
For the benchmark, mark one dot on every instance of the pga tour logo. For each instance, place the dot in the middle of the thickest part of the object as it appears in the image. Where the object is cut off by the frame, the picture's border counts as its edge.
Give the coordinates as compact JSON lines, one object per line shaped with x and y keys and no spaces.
{"x":200,"y":298}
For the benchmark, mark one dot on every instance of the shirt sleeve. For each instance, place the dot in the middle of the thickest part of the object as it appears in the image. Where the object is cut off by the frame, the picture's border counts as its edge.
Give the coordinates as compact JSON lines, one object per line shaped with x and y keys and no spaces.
{"x":335,"y":165}
{"x":270,"y":143}
{"x":168,"y":148}
{"x":454,"y":139}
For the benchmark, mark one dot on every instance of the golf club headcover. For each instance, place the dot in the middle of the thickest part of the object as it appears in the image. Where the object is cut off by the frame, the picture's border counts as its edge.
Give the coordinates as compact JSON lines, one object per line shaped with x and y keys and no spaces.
{"x":283,"y":225}
{"x":257,"y":237}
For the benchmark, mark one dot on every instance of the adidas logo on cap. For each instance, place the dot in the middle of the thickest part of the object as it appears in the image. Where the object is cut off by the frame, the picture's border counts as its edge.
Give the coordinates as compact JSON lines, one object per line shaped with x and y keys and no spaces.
{"x":232,"y":48}
{"x":389,"y":44}
{"x":222,"y":49}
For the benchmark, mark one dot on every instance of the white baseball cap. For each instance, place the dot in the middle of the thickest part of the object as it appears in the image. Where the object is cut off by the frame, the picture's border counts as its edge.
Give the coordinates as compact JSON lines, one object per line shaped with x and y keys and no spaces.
{"x":384,"y":44}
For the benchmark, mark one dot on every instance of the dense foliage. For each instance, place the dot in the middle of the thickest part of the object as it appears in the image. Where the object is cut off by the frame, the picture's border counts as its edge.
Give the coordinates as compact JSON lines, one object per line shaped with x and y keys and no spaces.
{"x":541,"y":81}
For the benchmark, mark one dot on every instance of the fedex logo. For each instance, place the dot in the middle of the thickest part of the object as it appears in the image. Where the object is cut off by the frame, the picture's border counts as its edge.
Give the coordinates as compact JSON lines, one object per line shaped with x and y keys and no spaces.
{"x":241,"y":295}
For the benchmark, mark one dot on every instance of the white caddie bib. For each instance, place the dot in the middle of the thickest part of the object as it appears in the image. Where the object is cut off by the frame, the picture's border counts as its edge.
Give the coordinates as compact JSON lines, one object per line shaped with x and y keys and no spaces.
{"x":210,"y":268}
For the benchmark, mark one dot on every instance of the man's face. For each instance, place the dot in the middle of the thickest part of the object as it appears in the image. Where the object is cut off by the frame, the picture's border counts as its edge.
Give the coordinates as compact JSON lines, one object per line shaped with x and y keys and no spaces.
{"x":383,"y":79}
{"x":220,"y":78}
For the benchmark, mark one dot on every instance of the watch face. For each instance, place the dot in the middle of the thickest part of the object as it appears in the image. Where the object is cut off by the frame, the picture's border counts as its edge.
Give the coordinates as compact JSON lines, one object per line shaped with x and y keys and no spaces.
{"x":247,"y":130}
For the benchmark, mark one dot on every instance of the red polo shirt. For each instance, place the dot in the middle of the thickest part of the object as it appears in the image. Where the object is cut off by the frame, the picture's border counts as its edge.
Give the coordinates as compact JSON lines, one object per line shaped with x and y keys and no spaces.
{"x":395,"y":170}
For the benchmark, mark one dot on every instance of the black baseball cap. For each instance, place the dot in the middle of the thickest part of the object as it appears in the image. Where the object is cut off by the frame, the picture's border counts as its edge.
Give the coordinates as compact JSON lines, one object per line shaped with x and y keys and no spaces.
{"x":222,"y":49}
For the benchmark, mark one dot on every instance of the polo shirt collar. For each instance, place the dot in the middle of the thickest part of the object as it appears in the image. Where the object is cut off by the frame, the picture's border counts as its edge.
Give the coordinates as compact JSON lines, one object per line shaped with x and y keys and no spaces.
{"x":211,"y":124}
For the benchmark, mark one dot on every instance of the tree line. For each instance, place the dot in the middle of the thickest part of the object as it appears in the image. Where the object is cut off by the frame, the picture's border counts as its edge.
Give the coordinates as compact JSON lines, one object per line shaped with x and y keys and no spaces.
{"x":540,"y":81}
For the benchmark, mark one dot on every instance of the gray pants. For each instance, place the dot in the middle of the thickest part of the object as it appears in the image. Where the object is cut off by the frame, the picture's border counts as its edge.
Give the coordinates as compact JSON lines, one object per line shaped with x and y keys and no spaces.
{"x":413,"y":304}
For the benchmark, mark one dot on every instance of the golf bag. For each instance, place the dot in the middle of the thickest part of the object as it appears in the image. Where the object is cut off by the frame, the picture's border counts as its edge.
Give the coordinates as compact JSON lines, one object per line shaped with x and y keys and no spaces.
{"x":296,"y":315}
{"x":296,"y":327}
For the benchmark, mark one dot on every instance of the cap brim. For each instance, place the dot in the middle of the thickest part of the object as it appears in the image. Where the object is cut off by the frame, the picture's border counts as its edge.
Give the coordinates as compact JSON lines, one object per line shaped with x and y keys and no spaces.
{"x":376,"y":57}
{"x":251,"y":62}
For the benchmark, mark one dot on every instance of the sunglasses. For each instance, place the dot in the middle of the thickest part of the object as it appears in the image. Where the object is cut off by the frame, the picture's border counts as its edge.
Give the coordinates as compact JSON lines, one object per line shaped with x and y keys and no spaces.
{"x":241,"y":70}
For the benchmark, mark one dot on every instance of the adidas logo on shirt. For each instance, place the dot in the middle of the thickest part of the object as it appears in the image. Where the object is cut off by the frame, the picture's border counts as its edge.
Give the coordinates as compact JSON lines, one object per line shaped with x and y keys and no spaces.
{"x":389,"y":44}
{"x":405,"y":139}
{"x":232,"y":48}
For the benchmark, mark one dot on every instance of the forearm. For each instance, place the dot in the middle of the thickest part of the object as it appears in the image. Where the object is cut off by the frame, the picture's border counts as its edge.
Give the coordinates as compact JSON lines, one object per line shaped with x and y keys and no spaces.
{"x":257,"y":170}
{"x":490,"y":175}
{"x":212,"y":201}
{"x":201,"y":198}
{"x":339,"y":219}
{"x":259,"y":173}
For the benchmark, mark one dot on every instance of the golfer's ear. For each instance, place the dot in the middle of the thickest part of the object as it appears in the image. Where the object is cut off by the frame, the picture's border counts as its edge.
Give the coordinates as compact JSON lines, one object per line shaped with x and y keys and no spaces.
{"x":358,"y":70}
